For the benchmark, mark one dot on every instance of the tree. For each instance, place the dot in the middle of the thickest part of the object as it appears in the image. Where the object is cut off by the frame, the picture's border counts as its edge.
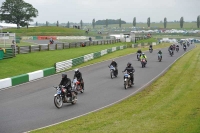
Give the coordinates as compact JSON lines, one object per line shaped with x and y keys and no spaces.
{"x":57,"y":24}
{"x":110,"y":21}
{"x":148,"y":22}
{"x":68,"y":24}
{"x":134,"y":21}
{"x":93,"y":23}
{"x":181,"y":22}
{"x":47,"y":23}
{"x":120,"y":23}
{"x":165,"y":23}
{"x":17,"y":12}
{"x":81,"y":23}
{"x":36,"y":24}
{"x":106,"y":22}
{"x":198,"y":21}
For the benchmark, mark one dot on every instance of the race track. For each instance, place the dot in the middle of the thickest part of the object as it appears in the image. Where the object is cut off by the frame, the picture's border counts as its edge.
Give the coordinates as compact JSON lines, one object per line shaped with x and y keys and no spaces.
{"x":30,"y":106}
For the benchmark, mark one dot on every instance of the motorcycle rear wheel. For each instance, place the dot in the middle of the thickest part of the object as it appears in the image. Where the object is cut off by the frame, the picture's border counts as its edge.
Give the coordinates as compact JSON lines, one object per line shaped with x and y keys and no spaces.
{"x":58,"y":101}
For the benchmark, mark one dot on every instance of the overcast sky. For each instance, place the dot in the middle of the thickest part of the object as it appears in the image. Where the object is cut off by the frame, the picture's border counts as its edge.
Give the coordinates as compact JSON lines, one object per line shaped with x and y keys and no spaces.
{"x":86,"y":10}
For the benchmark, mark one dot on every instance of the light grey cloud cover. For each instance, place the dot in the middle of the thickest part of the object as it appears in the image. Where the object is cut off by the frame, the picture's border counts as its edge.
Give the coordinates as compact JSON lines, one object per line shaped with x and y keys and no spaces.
{"x":86,"y":10}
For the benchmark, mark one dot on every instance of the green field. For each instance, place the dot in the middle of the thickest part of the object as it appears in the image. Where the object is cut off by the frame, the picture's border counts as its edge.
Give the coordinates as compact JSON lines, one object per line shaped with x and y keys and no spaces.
{"x":24,"y":63}
{"x":169,"y":105}
{"x":170,"y":25}
{"x":48,"y":31}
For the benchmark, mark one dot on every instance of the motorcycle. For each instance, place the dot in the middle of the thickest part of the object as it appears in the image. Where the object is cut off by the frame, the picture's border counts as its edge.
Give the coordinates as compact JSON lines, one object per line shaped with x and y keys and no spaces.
{"x":143,"y":62}
{"x":150,"y":50}
{"x":177,"y":49}
{"x":64,"y":96}
{"x":76,"y":86}
{"x":170,"y":52}
{"x":159,"y":57}
{"x":127,"y":80}
{"x":184,"y":48}
{"x":138,"y":56}
{"x":113,"y":71}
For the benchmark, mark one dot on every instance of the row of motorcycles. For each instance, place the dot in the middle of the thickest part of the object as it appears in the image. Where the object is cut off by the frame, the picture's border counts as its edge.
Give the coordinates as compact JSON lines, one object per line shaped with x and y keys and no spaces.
{"x":127,"y":77}
{"x":67,"y":96}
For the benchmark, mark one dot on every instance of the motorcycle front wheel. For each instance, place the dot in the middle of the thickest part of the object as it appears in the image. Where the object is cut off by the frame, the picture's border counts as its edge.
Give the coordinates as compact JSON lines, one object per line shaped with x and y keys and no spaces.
{"x":58,"y":101}
{"x":126,"y":84}
{"x":75,"y":99}
{"x":111,"y":74}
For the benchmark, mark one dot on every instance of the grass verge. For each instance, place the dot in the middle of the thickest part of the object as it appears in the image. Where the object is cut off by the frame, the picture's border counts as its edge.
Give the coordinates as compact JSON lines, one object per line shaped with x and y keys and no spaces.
{"x":25,"y":63}
{"x":169,"y":104}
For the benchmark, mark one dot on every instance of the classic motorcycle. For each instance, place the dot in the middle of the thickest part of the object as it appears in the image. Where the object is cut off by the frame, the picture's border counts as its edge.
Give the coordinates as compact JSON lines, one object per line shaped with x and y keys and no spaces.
{"x":159,"y":57}
{"x":184,"y":48}
{"x":64,"y":96}
{"x":113,"y":72}
{"x":177,"y":49}
{"x":170,"y":52}
{"x":143,"y":62}
{"x":76,"y":86}
{"x":138,"y":56}
{"x":150,"y":50}
{"x":127,"y":80}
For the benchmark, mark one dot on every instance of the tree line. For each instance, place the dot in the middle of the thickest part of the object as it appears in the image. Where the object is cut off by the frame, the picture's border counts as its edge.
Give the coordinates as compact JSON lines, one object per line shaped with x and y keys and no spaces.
{"x":11,"y":11}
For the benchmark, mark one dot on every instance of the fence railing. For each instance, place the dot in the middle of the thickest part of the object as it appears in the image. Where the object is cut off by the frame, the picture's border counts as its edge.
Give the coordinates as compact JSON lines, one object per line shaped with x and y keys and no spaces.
{"x":57,"y":46}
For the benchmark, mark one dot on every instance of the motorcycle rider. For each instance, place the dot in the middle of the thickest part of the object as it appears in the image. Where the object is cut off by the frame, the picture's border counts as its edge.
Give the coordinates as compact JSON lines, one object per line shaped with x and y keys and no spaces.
{"x":184,"y":46}
{"x":114,"y":64}
{"x":177,"y":46}
{"x":66,"y":82}
{"x":160,"y":52}
{"x":171,"y":48}
{"x":51,"y":41}
{"x":78,"y":76}
{"x":139,"y":52}
{"x":130,"y":70}
{"x":143,"y":56}
{"x":151,"y":47}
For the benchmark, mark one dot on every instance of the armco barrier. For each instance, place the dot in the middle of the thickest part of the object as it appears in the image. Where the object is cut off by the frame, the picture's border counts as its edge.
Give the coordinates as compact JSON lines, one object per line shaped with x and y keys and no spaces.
{"x":109,"y":50}
{"x":88,"y":57}
{"x":77,"y":61}
{"x":97,"y":55}
{"x":59,"y":66}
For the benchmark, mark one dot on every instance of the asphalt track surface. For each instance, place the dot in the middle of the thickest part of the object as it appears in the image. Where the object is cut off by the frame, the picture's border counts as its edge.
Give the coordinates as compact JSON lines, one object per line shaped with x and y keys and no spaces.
{"x":30,"y":106}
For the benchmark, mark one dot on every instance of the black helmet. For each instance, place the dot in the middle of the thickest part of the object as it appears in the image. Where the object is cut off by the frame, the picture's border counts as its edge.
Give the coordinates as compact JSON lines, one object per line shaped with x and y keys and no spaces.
{"x":128,"y":64}
{"x":64,"y":75}
{"x":76,"y":71}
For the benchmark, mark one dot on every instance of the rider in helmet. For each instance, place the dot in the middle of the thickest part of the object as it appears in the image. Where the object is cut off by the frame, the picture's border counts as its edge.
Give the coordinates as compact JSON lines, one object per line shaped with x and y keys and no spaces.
{"x":139,"y":52}
{"x":151,"y":47}
{"x":130,"y":70}
{"x":66,"y":82}
{"x":143,"y":56}
{"x":160,"y":52}
{"x":171,"y":48}
{"x":78,"y":76}
{"x":51,"y":41}
{"x":114,"y":64}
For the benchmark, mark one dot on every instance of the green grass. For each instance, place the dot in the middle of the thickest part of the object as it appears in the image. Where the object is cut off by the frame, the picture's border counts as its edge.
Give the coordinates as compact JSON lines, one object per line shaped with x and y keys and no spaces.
{"x":149,"y":40}
{"x":169,"y":105}
{"x":25,"y":63}
{"x":48,"y":31}
{"x":170,"y":25}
